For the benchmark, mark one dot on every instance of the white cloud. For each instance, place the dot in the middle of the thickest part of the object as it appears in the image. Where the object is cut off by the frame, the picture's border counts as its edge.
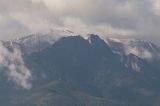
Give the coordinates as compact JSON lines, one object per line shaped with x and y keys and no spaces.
{"x":80,"y":27}
{"x":145,"y":54}
{"x":1,"y":18}
{"x":34,"y":24}
{"x":14,"y":66}
{"x":118,"y":16}
{"x":156,"y":6}
{"x":36,"y":1}
{"x":57,"y":5}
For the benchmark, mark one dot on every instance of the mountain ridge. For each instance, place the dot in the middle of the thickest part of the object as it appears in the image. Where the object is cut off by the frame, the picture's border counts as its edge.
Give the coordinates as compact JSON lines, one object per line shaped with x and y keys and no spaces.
{"x":79,"y":71}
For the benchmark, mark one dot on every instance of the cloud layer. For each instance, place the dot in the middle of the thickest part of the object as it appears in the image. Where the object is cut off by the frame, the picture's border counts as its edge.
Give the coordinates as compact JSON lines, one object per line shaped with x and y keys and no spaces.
{"x":118,"y":18}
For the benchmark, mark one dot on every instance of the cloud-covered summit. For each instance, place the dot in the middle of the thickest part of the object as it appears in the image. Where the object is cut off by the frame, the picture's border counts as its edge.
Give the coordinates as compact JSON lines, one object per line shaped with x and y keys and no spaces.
{"x":118,"y":18}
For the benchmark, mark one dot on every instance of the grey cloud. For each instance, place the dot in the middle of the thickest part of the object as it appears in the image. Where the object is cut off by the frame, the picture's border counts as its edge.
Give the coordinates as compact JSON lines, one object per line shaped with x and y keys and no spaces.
{"x":138,"y":16}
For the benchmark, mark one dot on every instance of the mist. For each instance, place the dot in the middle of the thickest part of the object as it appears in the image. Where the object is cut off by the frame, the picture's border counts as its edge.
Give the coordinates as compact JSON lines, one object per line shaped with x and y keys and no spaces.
{"x":12,"y":64}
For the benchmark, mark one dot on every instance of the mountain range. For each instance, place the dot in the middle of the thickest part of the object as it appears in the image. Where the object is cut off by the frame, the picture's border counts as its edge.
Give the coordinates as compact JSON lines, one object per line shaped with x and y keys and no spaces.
{"x":59,"y":68}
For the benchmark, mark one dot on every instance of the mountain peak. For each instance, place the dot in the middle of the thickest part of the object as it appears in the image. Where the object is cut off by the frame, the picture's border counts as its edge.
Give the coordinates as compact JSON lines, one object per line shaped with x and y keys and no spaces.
{"x":40,"y":41}
{"x":96,"y":40}
{"x":141,"y":48}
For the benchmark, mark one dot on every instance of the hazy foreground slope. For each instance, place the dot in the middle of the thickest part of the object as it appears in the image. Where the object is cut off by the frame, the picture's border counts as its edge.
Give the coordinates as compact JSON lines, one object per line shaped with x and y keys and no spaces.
{"x":78,"y":72}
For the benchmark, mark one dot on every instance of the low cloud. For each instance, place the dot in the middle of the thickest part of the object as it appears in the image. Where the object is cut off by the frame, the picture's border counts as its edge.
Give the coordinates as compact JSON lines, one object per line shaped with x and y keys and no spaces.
{"x":144,"y":54}
{"x":11,"y":63}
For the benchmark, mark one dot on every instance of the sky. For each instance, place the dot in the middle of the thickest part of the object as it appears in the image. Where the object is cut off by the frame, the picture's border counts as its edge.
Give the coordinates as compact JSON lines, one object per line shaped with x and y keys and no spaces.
{"x":110,"y":18}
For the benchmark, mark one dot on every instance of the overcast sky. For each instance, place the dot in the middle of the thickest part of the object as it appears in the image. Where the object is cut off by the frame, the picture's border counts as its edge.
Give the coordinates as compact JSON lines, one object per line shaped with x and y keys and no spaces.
{"x":117,"y":18}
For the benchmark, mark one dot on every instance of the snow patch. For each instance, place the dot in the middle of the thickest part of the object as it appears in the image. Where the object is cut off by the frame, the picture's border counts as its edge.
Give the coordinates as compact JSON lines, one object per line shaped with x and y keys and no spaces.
{"x":135,"y":67}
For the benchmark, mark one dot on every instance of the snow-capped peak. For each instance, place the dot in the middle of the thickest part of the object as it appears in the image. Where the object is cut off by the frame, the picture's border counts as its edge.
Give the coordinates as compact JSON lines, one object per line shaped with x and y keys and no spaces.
{"x":50,"y":35}
{"x":38,"y":41}
{"x":143,"y":49}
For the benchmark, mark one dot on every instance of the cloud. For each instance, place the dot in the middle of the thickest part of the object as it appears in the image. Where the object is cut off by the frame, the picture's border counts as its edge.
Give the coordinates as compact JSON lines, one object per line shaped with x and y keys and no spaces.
{"x":28,"y":16}
{"x":56,"y":5}
{"x":144,"y":54}
{"x":32,"y":23}
{"x":11,"y":63}
{"x":156,"y":6}
{"x":1,"y":18}
{"x":101,"y":29}
{"x":135,"y":66}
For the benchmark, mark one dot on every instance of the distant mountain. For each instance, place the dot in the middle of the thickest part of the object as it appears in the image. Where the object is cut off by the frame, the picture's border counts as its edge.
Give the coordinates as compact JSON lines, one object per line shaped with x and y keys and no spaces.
{"x":66,"y":70}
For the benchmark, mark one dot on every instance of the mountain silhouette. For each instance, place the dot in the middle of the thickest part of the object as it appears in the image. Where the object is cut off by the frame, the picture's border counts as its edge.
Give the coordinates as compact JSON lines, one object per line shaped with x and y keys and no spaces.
{"x":87,"y":72}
